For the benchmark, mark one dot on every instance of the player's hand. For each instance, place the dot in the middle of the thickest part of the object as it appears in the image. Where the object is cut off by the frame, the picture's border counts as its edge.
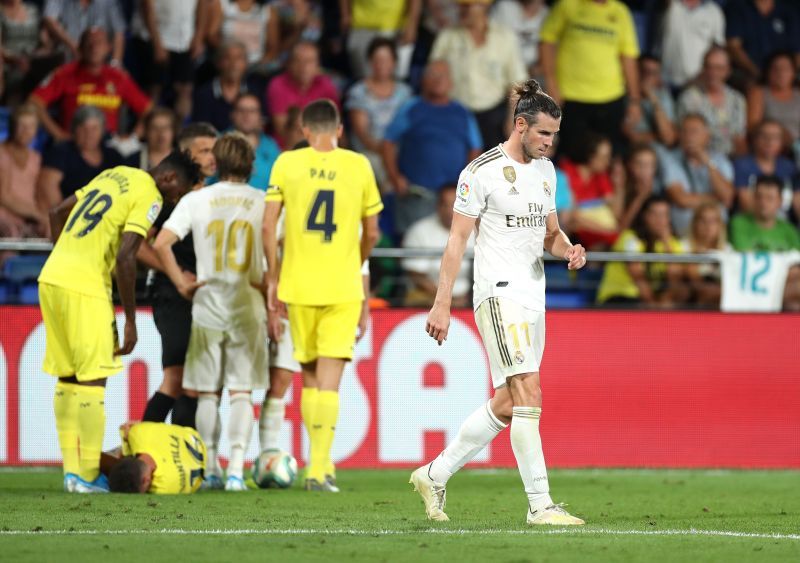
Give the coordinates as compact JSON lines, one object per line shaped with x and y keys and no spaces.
{"x":189,"y":288}
{"x":274,"y":327}
{"x":129,"y":340}
{"x":576,"y":255}
{"x":438,"y":323}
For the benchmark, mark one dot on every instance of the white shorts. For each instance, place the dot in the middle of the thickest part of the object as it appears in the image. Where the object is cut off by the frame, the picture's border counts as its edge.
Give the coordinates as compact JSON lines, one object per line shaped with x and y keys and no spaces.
{"x":513,"y":337}
{"x":235,"y":359}
{"x":281,"y":353}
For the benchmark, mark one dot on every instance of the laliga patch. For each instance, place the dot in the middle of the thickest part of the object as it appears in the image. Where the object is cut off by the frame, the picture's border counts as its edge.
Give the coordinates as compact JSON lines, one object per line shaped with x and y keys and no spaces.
{"x":152,"y":215}
{"x":463,"y":192}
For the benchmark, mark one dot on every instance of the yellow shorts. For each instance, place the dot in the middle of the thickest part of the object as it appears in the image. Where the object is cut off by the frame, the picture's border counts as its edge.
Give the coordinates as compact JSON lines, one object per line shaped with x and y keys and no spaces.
{"x":81,"y":334}
{"x":327,"y":331}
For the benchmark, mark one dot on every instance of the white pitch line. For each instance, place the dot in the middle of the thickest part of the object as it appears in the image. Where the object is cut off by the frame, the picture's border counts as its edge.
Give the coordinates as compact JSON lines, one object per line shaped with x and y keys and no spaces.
{"x":434,"y":531}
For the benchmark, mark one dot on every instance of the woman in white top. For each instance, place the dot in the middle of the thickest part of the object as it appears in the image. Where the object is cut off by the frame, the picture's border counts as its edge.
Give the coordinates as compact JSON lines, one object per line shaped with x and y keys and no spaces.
{"x":255,"y":25}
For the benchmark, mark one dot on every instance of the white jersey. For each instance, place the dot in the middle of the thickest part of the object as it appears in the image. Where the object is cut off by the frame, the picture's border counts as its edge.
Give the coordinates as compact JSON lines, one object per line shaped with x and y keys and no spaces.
{"x":225,"y":222}
{"x":511,"y":201}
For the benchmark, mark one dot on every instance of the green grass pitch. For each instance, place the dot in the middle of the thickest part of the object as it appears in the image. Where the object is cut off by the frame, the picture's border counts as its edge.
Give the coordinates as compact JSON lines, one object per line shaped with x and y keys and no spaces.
{"x":632,"y":515}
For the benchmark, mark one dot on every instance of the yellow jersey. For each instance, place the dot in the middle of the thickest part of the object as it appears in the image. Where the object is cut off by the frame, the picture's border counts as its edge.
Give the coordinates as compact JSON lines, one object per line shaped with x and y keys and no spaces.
{"x":617,"y":281}
{"x":325,"y":196}
{"x":121,"y":199}
{"x":178,"y":451}
{"x":380,"y":15}
{"x":591,"y":37}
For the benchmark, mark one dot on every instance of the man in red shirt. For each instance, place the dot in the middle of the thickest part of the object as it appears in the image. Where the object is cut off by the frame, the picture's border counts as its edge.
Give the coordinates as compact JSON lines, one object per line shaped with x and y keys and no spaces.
{"x":88,"y":81}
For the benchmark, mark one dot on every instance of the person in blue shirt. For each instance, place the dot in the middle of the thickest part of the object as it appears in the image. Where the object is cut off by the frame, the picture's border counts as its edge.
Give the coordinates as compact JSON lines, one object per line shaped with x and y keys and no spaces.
{"x":248,"y":119}
{"x":427,"y":144}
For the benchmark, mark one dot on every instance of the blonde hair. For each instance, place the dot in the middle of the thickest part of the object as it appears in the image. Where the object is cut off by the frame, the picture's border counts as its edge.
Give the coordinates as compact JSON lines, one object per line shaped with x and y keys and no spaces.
{"x":234,"y":155}
{"x":722,"y":238}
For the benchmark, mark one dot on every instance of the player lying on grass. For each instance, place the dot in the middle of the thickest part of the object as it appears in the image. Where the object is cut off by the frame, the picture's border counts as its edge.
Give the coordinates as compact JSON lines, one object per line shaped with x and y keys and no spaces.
{"x":156,"y":458}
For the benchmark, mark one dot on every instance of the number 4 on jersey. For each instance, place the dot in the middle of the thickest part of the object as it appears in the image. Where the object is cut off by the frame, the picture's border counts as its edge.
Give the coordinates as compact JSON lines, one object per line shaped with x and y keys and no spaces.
{"x":323,"y":205}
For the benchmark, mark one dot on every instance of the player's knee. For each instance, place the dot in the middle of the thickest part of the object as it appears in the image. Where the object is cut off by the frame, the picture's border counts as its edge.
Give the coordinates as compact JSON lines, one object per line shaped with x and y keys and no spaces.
{"x":502,"y":407}
{"x":172,"y":383}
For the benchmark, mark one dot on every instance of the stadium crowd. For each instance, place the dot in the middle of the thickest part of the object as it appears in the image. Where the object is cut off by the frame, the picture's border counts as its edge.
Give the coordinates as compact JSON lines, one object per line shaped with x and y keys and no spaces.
{"x":681,"y":130}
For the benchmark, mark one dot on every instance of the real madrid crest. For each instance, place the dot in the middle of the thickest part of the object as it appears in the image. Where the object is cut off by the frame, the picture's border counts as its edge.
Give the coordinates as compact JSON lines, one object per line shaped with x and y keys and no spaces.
{"x":546,"y":187}
{"x":510,"y":174}
{"x":519,"y":357}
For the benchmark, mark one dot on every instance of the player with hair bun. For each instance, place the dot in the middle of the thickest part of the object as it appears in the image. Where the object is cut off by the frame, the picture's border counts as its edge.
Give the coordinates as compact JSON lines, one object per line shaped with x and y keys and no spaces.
{"x":511,"y":190}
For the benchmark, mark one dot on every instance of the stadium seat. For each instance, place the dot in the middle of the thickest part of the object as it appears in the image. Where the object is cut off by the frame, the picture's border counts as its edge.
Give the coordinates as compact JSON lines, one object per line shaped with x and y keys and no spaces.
{"x":7,"y":292}
{"x":5,"y":114}
{"x":28,"y":294}
{"x":566,"y":300}
{"x":23,"y":268}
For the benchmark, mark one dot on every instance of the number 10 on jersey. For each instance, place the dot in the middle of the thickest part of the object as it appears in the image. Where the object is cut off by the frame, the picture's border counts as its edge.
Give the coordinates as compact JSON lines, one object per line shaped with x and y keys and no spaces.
{"x":322,"y":206}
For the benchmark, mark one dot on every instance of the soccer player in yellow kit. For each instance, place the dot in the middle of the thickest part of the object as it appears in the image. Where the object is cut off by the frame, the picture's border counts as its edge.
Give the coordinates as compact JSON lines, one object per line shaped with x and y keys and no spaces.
{"x":159,"y":458}
{"x":328,"y":193}
{"x":97,"y":230}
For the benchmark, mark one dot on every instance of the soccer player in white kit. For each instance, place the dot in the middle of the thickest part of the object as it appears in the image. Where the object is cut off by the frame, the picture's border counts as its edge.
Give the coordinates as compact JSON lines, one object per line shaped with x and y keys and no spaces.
{"x":507,"y":195}
{"x":227,"y":346}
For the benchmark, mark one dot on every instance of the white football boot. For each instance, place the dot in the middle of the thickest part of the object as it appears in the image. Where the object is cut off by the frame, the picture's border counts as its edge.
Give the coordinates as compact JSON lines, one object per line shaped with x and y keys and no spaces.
{"x":553,"y":515}
{"x":235,"y":484}
{"x":433,"y":494}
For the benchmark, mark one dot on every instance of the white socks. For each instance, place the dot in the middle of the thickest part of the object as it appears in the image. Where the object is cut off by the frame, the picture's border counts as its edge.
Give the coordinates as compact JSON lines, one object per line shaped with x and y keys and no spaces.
{"x":477,"y":431}
{"x":527,"y":446}
{"x":273,"y":412}
{"x":240,"y":424}
{"x":209,"y":426}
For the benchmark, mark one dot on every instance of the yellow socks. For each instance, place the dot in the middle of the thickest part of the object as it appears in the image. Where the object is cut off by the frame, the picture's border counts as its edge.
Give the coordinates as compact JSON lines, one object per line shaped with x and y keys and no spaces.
{"x":91,"y":425}
{"x":65,"y":407}
{"x":308,"y":406}
{"x":322,"y":433}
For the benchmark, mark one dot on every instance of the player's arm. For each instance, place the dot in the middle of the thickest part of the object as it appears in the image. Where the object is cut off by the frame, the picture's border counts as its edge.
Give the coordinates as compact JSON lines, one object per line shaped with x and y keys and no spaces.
{"x":147,"y":256}
{"x":557,"y":243}
{"x":439,"y":318}
{"x":59,"y":215}
{"x":269,"y":236}
{"x":126,"y":286}
{"x":163,"y":249}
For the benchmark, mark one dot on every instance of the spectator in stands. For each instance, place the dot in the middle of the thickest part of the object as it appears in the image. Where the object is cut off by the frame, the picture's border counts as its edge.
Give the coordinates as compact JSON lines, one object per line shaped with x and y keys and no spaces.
{"x":693,"y":173}
{"x":248,"y":119}
{"x":254,"y":24}
{"x":657,"y":121}
{"x":68,"y":20}
{"x":432,"y":232}
{"x":300,"y":20}
{"x":641,"y":182}
{"x":689,"y":28}
{"x":588,"y":54}
{"x":213,"y":101}
{"x":565,"y":202}
{"x":373,"y":102}
{"x":19,"y":167}
{"x":426,"y":145}
{"x":168,"y":38}
{"x":587,"y":166}
{"x":766,"y":160}
{"x":525,"y":19}
{"x":756,"y":29}
{"x":160,"y":129}
{"x":724,"y":109}
{"x":485,"y":60}
{"x":778,"y":98}
{"x":707,"y":234}
{"x":363,"y":20}
{"x":70,"y":165}
{"x":89,"y":81}
{"x":763,"y":230}
{"x":301,"y":83}
{"x":660,"y":284}
{"x":24,"y":49}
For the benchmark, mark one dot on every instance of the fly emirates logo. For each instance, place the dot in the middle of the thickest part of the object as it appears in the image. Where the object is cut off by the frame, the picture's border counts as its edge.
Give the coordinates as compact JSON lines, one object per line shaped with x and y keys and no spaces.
{"x":536,"y":218}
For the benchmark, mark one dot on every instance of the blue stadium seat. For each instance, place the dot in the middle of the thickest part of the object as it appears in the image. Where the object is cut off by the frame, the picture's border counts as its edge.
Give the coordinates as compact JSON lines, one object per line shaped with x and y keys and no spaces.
{"x":566,"y":300}
{"x":29,"y":294}
{"x":7,"y":292}
{"x":5,"y":114}
{"x":23,"y":268}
